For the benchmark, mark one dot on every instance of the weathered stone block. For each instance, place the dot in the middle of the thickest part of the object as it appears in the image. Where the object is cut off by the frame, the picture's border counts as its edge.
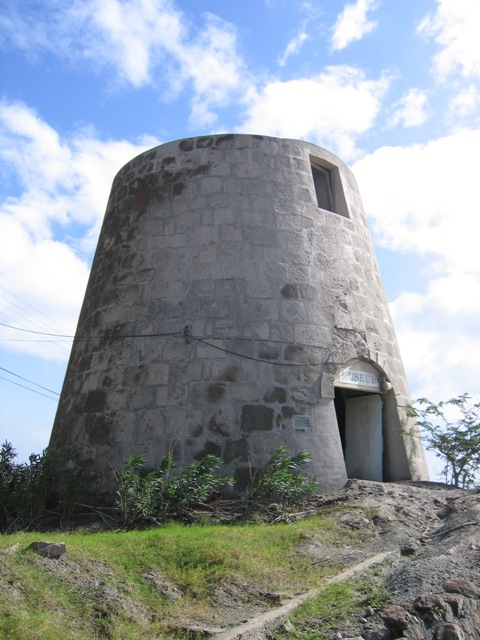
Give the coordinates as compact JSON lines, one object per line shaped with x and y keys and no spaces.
{"x":277,"y":394}
{"x":256,"y":418}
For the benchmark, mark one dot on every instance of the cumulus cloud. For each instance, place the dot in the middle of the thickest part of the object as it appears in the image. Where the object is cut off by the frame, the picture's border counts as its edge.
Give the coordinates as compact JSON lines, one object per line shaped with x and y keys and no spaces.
{"x":428,"y":205}
{"x":410,"y":110}
{"x":142,"y":42}
{"x":319,"y":108}
{"x":454,"y":27}
{"x":352,"y":24}
{"x":49,"y":228}
{"x":439,"y":343}
{"x":428,"y":198}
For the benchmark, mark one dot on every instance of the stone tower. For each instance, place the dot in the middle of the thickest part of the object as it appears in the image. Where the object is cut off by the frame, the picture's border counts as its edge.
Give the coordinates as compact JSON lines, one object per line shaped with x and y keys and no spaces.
{"x":235,"y":305}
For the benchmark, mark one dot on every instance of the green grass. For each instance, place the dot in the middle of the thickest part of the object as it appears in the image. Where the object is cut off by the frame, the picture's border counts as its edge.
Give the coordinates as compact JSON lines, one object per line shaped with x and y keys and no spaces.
{"x":98,"y":589}
{"x":315,"y":618}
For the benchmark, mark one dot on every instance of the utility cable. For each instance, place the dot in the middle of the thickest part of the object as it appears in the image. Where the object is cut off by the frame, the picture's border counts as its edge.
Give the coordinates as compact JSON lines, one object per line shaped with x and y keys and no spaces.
{"x":198,"y":339}
{"x":38,"y":333}
{"x":32,"y":390}
{"x":278,"y":364}
{"x":13,"y":295}
{"x":24,"y":316}
{"x":87,"y":338}
{"x":29,"y":381}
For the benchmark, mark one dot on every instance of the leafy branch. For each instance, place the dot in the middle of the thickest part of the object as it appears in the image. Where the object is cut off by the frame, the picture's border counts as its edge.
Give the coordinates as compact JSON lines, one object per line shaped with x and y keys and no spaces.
{"x":451,"y":428}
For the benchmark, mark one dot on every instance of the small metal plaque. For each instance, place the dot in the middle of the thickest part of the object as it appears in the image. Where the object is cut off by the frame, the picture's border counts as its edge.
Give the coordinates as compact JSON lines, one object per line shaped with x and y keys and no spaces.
{"x":302,"y":422}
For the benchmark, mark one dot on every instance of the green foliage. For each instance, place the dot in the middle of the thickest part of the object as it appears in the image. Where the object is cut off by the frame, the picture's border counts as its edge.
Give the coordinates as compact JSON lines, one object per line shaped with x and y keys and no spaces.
{"x":280,"y":479}
{"x":158,"y":493}
{"x":196,"y":483}
{"x":48,"y":479}
{"x":452,"y":429}
{"x":24,"y":487}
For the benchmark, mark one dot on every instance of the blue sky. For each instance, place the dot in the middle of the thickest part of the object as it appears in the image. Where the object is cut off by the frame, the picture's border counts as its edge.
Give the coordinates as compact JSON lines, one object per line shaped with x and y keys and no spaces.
{"x":390,"y":86}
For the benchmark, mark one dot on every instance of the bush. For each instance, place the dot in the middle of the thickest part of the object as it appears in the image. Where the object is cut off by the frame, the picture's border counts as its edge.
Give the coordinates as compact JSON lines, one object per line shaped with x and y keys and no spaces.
{"x":280,"y":479}
{"x":24,"y":487}
{"x":48,"y":479}
{"x":159,"y":493}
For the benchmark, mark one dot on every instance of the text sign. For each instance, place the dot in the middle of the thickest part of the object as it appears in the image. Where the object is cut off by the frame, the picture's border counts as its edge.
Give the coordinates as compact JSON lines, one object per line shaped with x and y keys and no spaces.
{"x":356,"y":378}
{"x":302,"y":422}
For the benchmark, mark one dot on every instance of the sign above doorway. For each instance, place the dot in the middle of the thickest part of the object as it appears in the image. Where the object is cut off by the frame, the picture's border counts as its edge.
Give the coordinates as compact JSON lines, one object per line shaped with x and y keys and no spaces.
{"x":360,"y":375}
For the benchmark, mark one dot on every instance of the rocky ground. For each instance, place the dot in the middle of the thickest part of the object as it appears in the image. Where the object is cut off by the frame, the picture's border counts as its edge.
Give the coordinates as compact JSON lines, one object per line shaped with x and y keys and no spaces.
{"x":433,"y":578}
{"x":430,"y":535}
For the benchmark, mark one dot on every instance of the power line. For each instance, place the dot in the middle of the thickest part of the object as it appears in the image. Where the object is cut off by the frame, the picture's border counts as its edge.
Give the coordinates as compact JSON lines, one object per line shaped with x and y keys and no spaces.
{"x":278,"y":364}
{"x":29,"y":381}
{"x":24,"y":317}
{"x":34,"y":308}
{"x":28,"y":388}
{"x":68,"y":340}
{"x":202,"y":340}
{"x":39,"y":333}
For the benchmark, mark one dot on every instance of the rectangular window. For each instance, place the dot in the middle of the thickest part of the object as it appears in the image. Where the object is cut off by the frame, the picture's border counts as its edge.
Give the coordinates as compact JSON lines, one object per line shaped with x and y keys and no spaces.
{"x":328,"y":187}
{"x":322,"y":180}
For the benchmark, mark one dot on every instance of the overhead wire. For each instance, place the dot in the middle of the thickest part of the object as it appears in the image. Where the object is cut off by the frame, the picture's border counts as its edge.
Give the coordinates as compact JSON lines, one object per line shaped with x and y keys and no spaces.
{"x":24,"y":317}
{"x":34,"y":308}
{"x":207,"y":342}
{"x":29,"y":389}
{"x":29,"y":381}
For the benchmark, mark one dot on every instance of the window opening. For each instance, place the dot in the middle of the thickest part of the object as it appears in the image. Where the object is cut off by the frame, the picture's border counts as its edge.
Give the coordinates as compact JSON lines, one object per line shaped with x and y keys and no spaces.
{"x":328,"y":187}
{"x":322,"y":179}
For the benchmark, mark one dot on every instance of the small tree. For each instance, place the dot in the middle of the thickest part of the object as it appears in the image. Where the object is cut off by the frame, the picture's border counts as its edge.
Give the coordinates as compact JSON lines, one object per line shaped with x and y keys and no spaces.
{"x":455,"y":439}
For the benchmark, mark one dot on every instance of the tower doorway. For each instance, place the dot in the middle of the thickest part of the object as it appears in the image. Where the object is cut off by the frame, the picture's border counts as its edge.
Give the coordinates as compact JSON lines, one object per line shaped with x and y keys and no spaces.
{"x":359,"y":411}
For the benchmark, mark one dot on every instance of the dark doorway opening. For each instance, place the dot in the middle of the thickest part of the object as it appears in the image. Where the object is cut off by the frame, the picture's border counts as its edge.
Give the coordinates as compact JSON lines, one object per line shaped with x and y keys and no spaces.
{"x":360,"y":424}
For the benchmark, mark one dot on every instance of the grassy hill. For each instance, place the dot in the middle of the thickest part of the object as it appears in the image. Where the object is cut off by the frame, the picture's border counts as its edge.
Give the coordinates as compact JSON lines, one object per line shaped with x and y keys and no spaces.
{"x":164,"y":582}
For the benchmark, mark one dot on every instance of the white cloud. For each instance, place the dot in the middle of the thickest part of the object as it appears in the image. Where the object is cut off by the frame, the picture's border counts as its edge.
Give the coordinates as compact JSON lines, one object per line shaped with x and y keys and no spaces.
{"x":352,"y":23}
{"x":428,"y":200}
{"x":465,"y":103}
{"x":440,"y":345}
{"x":133,"y":35}
{"x":214,"y":69}
{"x":455,"y":26}
{"x":293,"y":47}
{"x":424,"y":199}
{"x":143,"y":42}
{"x":410,"y":110}
{"x":49,"y":230}
{"x":319,"y":108}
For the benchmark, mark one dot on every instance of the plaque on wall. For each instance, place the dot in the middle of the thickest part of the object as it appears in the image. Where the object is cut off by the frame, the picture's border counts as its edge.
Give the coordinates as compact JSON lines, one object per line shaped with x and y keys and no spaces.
{"x":302,"y":422}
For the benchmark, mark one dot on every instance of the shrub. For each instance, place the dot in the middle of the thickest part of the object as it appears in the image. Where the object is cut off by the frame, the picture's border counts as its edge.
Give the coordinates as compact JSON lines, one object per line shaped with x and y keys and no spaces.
{"x":24,"y":487}
{"x":280,"y":479}
{"x":48,"y":479}
{"x":158,"y":493}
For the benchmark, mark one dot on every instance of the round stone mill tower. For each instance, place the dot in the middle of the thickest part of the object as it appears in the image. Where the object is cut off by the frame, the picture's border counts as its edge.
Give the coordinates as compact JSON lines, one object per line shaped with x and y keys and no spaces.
{"x":235,"y":305}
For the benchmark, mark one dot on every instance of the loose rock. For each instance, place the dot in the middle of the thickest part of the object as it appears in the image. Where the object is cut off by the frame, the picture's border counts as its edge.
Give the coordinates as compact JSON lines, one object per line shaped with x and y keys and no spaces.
{"x":395,"y":617}
{"x":462,"y":586}
{"x":49,"y":549}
